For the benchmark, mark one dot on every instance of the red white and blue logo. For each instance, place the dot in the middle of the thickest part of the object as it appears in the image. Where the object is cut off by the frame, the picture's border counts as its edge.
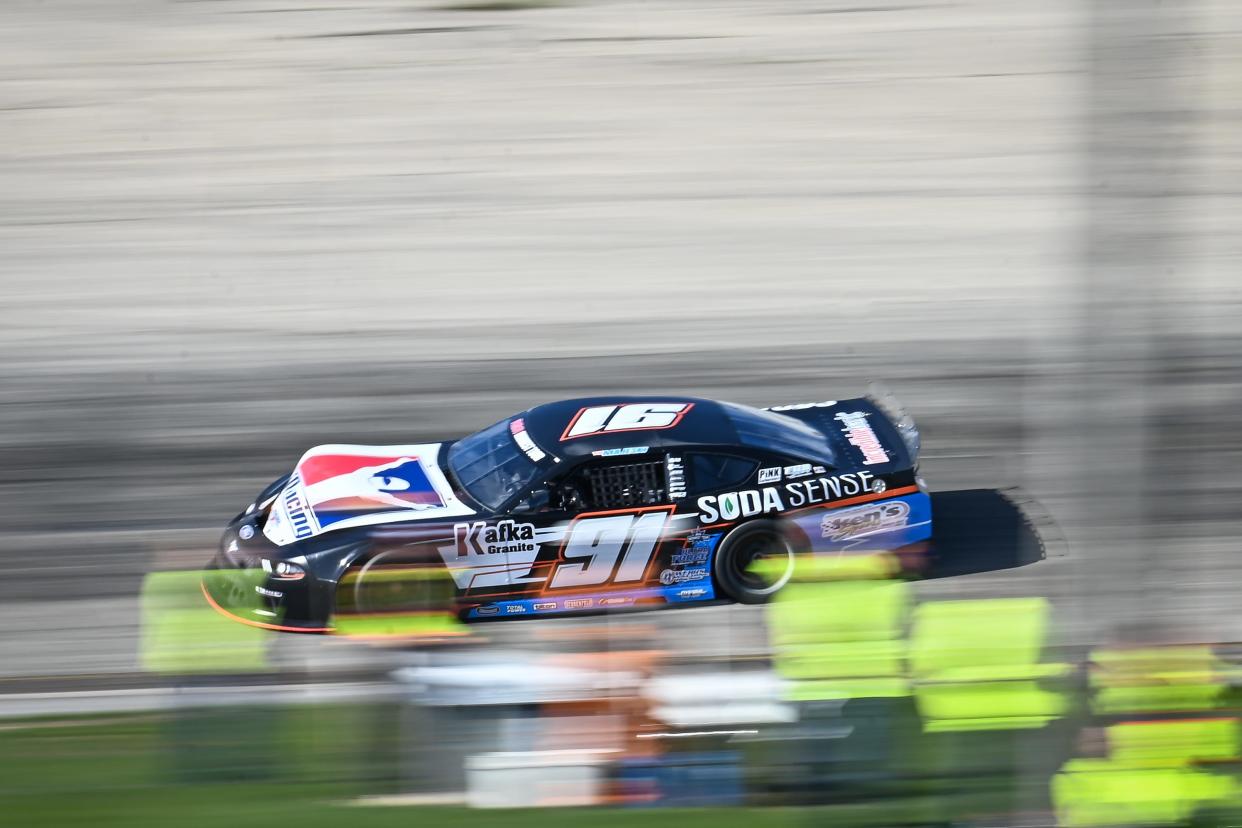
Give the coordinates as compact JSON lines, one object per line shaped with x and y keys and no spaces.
{"x":342,"y":486}
{"x":339,"y":486}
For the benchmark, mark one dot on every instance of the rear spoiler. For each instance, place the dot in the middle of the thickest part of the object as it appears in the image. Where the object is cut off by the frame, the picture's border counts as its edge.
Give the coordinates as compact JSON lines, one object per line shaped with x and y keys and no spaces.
{"x":879,"y":400}
{"x":891,"y":407}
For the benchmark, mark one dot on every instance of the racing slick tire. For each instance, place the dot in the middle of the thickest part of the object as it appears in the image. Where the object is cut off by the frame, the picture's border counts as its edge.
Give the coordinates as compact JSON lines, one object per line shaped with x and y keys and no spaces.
{"x":759,"y":540}
{"x":394,"y":581}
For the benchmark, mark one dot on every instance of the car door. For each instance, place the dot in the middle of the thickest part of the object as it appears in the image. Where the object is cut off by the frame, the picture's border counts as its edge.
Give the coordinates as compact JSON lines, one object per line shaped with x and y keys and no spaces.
{"x":611,"y":514}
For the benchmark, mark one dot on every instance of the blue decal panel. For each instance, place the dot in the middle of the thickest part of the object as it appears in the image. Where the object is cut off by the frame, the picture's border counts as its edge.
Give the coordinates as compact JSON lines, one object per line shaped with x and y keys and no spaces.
{"x":684,"y":575}
{"x":689,"y":573}
{"x":870,"y":527}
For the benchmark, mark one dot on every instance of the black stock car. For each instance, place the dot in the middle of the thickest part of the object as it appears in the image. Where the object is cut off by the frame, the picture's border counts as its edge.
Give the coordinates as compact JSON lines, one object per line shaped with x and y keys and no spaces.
{"x":578,"y":505}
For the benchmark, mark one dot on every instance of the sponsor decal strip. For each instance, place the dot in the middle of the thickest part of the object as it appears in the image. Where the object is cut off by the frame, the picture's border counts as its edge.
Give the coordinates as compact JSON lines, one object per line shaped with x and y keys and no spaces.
{"x":518,"y":429}
{"x":858,"y":433}
{"x":800,"y":470}
{"x":751,"y":502}
{"x":676,"y":477}
{"x":836,"y":504}
{"x":669,"y":577}
{"x":486,"y":554}
{"x":479,"y":540}
{"x":862,"y":521}
{"x":801,"y":406}
{"x":620,"y":452}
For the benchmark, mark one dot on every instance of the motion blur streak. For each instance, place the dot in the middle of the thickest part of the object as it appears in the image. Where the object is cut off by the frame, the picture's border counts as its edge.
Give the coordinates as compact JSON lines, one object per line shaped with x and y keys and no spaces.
{"x":236,"y":229}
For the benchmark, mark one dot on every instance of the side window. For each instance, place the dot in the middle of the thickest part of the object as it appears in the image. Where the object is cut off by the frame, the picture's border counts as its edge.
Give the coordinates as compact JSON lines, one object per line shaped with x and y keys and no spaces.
{"x":541,"y":498}
{"x":713,"y":472}
{"x":619,"y":485}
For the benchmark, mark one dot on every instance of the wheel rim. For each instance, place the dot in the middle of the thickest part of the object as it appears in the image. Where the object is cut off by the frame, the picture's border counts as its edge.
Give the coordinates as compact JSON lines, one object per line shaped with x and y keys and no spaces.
{"x":754,"y":555}
{"x":374,"y":595}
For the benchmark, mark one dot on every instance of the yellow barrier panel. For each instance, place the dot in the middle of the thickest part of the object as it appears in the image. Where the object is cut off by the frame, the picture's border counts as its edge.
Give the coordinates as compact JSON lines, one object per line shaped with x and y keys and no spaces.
{"x":875,"y":566}
{"x":399,"y":602}
{"x":837,"y":634}
{"x":1175,"y":742}
{"x":977,"y":665}
{"x":1151,"y":777}
{"x":1156,"y":679}
{"x":1100,"y":792}
{"x":182,"y":635}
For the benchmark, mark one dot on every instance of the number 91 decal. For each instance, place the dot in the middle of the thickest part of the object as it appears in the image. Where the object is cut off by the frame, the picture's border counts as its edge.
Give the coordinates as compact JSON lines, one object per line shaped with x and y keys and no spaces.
{"x":616,"y":549}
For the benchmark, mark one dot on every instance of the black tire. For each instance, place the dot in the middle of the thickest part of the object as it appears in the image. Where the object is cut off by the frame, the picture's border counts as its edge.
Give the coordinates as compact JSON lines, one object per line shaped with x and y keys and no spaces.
{"x":394,"y":580}
{"x":743,"y":546}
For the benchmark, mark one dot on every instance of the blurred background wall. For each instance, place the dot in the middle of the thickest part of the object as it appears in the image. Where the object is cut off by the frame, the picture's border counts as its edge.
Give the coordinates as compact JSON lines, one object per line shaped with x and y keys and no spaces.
{"x":232,"y":229}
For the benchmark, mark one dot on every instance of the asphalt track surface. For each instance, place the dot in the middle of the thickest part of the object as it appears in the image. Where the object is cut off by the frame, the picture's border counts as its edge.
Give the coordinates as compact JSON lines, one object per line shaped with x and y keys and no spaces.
{"x":233,"y":229}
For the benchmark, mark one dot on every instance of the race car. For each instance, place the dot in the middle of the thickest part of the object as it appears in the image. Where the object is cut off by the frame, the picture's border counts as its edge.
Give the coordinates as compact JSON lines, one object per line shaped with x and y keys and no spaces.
{"x":576,"y":506}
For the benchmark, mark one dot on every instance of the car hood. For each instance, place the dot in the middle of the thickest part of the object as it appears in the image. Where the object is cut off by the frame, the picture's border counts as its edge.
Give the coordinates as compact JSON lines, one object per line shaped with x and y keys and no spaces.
{"x":344,"y":486}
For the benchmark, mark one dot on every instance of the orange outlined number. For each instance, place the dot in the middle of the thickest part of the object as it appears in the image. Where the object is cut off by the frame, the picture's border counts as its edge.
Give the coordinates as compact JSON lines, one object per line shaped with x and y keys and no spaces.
{"x":594,"y":545}
{"x":610,"y":419}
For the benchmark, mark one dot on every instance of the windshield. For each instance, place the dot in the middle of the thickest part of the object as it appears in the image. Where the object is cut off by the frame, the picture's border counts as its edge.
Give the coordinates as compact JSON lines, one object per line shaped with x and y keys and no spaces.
{"x":776,"y":432}
{"x":490,"y":466}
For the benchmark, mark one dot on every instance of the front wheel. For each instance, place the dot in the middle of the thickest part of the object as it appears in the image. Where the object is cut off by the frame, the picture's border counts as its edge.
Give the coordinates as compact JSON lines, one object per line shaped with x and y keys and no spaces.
{"x":395,"y":581}
{"x":754,"y":561}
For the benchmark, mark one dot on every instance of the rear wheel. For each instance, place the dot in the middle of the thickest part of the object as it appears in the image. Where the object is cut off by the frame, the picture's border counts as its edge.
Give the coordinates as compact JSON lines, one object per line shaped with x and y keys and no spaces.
{"x":754,"y":561}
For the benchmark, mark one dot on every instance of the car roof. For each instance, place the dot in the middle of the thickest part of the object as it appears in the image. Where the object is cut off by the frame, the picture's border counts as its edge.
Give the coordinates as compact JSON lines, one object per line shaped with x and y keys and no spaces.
{"x":700,"y":422}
